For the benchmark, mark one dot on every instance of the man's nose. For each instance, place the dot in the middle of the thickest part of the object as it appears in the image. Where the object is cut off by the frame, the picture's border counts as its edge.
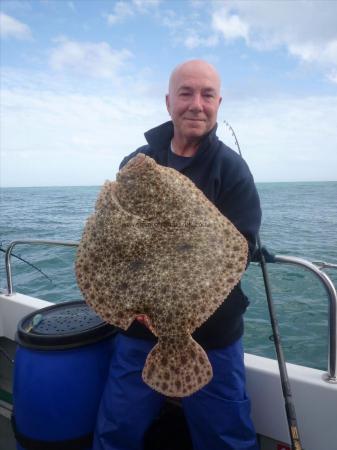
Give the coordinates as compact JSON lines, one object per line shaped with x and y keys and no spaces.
{"x":196,"y":103}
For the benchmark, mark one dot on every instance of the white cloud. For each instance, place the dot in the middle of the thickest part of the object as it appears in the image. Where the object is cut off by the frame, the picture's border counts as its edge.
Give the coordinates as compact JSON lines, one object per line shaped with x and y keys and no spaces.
{"x":13,"y":28}
{"x":197,"y":4}
{"x":285,"y":138}
{"x":315,"y":52}
{"x":193,"y":40}
{"x":80,"y":139}
{"x":172,"y":21}
{"x":125,"y":9}
{"x":121,"y":11}
{"x":306,"y":28}
{"x":229,"y":25}
{"x":71,"y":139}
{"x":93,"y":59}
{"x":191,"y":31}
{"x":332,"y":76}
{"x":146,"y":5}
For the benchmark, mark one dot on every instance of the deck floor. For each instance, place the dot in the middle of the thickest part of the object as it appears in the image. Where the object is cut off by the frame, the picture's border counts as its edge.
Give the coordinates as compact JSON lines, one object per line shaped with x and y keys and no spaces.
{"x":7,"y":441}
{"x":6,"y":367}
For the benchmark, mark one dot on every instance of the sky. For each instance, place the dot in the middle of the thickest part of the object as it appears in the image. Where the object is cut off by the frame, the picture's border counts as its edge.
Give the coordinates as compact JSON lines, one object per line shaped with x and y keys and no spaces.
{"x":81,"y":81}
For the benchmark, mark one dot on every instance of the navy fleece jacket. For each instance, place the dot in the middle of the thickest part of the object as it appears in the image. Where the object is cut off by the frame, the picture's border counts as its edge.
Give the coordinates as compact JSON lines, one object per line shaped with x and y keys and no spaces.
{"x":225,"y":179}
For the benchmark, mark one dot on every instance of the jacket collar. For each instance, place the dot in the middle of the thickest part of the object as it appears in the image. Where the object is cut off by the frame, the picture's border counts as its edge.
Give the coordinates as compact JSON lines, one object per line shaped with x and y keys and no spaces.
{"x":160,"y":137}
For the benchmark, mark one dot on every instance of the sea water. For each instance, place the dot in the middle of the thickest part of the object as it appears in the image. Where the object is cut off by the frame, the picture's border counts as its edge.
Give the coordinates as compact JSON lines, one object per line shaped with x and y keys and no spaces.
{"x":299,"y":219}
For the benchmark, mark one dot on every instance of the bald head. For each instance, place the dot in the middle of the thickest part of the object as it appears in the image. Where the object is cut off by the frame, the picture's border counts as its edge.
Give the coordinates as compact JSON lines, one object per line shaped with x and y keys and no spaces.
{"x":196,"y":67}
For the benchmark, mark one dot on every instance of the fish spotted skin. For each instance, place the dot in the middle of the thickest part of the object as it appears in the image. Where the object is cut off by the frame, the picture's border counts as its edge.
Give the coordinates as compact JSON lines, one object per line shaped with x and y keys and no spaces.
{"x":156,"y":245}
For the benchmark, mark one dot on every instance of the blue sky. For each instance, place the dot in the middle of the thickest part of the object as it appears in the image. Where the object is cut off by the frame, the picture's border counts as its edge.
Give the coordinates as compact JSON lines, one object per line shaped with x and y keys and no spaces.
{"x":83,"y":80}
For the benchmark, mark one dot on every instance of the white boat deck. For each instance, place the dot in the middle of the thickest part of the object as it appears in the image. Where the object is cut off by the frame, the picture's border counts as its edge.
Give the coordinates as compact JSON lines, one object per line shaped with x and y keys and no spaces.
{"x":314,"y":398}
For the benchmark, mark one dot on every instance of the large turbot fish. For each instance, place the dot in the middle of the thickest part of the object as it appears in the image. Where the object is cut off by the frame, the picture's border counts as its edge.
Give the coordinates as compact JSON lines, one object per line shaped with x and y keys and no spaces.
{"x":157,"y":246}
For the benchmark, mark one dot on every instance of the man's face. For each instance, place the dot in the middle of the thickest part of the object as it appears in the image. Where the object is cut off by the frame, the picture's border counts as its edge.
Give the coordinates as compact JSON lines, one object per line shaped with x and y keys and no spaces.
{"x":193,"y":100}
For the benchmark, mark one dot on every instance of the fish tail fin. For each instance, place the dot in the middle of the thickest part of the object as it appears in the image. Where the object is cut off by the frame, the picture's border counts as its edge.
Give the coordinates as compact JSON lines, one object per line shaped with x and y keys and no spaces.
{"x":177,"y":366}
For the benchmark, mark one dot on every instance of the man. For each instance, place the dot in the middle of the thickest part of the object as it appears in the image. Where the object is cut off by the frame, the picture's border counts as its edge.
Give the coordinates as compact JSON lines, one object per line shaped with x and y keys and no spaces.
{"x":218,"y":415}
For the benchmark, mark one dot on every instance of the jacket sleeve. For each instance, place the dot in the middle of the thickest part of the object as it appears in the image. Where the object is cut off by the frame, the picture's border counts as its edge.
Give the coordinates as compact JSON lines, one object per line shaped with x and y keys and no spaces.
{"x":239,"y":202}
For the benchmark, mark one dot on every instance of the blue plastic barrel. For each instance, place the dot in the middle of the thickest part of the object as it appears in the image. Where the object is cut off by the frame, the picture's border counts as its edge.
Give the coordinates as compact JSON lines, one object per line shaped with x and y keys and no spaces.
{"x":61,"y":366}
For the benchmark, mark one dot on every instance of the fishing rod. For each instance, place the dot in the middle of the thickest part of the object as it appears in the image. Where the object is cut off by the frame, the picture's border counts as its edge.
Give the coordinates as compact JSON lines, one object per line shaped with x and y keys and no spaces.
{"x":27,"y":262}
{"x":262,"y":257}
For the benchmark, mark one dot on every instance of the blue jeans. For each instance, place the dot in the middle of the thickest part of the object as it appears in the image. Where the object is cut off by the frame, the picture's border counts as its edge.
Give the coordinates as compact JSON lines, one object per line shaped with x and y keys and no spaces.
{"x":218,"y":415}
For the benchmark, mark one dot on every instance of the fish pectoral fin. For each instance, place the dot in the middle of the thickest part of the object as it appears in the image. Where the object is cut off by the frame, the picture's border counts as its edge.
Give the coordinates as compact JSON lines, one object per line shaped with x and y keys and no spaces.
{"x":177,"y":366}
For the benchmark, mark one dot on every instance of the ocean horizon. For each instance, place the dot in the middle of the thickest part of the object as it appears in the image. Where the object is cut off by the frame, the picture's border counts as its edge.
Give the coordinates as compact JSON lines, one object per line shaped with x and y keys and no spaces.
{"x":98,"y":185}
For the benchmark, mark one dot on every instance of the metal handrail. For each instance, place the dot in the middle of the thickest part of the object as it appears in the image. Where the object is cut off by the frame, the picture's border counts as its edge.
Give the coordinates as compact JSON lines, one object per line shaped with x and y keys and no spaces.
{"x":332,"y":296}
{"x":28,"y":241}
{"x":323,"y":277}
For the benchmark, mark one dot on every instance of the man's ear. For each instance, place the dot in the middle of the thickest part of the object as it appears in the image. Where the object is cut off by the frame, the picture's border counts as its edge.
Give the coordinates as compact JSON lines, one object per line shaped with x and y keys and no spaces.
{"x":167,"y":99}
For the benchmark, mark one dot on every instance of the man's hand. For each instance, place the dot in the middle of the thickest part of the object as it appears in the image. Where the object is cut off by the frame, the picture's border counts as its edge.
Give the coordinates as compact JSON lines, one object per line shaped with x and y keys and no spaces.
{"x":145,"y":320}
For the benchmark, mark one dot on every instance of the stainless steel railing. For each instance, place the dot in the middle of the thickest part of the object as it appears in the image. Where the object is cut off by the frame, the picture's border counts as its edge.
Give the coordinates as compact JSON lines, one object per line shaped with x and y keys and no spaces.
{"x":332,"y":297}
{"x":28,"y":241}
{"x":315,"y":268}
